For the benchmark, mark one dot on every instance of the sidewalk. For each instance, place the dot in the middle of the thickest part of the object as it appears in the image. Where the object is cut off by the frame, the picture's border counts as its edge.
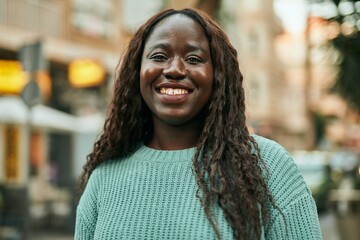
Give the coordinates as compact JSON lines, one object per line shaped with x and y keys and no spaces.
{"x":52,"y":236}
{"x":328,"y":225}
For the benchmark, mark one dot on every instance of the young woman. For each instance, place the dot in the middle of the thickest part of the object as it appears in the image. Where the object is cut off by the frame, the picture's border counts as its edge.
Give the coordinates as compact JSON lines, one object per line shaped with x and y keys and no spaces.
{"x":175,"y":159}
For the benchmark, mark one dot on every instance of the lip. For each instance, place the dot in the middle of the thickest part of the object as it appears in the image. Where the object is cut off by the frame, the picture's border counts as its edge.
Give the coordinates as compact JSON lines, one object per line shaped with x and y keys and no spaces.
{"x":174,"y":85}
{"x":173,"y":99}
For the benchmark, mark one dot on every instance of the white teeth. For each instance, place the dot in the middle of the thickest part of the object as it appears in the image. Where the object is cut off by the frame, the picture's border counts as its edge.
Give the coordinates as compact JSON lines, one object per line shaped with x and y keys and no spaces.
{"x":173,"y":91}
{"x":169,"y":91}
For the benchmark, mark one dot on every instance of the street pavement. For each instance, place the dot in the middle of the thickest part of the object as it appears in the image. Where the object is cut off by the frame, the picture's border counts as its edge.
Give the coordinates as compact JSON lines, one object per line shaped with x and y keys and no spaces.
{"x":50,"y":236}
{"x":329,"y":226}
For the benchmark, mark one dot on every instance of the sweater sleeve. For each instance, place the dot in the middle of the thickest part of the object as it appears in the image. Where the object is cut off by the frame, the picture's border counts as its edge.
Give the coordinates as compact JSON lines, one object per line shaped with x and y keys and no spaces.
{"x":301,"y":221}
{"x":298,"y":218}
{"x":86,"y":212}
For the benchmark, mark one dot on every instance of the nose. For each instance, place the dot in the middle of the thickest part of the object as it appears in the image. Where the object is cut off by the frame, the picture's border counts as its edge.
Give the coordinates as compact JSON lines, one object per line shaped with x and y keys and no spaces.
{"x":175,"y":69}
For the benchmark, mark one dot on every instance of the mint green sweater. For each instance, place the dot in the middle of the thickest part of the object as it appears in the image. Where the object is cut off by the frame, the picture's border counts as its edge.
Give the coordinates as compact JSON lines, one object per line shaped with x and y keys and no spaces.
{"x":151,"y":195}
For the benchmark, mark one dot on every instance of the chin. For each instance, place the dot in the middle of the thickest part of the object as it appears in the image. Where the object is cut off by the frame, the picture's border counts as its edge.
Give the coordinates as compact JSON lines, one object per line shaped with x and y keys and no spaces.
{"x":175,"y":121}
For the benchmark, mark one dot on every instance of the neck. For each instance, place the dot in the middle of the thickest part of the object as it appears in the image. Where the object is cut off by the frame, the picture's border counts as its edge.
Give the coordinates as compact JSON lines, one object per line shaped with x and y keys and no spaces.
{"x":168,"y":137}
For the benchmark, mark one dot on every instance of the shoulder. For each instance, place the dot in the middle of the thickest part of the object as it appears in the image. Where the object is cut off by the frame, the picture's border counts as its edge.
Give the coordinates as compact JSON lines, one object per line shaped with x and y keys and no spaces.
{"x":98,"y":180}
{"x":112,"y":168}
{"x":283,"y":176}
{"x":96,"y":177}
{"x":290,"y":193}
{"x":275,"y":156}
{"x":270,"y":150}
{"x":105,"y":169}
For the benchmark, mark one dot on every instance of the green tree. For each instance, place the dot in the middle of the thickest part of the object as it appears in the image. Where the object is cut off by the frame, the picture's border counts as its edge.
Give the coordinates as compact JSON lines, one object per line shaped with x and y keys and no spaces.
{"x":347,"y":84}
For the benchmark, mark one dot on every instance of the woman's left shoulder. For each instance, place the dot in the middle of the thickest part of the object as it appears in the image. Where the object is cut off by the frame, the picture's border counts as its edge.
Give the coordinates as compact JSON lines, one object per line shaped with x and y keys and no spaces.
{"x":283,"y":173}
{"x":271,"y":150}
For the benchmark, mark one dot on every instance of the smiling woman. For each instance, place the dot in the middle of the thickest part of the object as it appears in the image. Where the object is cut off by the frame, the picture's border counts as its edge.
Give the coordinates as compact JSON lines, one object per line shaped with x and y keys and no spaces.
{"x":175,"y":159}
{"x":176,"y":78}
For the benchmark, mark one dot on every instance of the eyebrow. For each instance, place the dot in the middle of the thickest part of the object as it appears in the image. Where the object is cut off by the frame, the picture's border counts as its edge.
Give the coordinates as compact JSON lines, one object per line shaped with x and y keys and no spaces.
{"x":189,"y":46}
{"x":159,"y":45}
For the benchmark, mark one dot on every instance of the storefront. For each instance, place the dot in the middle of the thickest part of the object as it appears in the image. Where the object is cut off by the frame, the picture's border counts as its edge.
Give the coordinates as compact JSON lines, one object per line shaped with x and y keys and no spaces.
{"x":42,"y":152}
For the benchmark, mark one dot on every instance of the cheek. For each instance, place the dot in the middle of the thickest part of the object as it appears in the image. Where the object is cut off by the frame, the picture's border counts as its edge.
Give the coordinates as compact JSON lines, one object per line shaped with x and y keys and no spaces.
{"x":148,"y":74}
{"x":144,"y":80}
{"x":207,"y":82}
{"x":206,"y":78}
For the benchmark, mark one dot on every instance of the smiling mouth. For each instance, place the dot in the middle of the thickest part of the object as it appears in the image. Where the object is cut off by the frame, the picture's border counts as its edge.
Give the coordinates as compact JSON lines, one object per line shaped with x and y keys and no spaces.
{"x":173,"y":91}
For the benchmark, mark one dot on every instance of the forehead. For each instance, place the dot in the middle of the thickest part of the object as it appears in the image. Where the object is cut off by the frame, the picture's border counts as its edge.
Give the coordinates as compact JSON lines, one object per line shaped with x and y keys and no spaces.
{"x":177,"y":25}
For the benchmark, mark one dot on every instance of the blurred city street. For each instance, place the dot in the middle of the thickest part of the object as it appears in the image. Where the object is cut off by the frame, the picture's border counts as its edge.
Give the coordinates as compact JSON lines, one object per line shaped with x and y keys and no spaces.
{"x":58,"y":61}
{"x":329,"y":227}
{"x":51,"y":236}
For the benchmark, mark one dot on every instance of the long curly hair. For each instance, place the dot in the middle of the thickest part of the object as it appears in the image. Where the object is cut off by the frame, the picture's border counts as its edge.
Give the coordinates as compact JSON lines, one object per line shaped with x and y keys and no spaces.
{"x":227,"y":164}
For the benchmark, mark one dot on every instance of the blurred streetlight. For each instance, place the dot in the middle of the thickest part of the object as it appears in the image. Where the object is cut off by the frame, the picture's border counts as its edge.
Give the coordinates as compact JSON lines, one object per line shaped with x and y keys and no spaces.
{"x":346,"y":7}
{"x":346,"y":12}
{"x":292,"y":14}
{"x":326,"y":9}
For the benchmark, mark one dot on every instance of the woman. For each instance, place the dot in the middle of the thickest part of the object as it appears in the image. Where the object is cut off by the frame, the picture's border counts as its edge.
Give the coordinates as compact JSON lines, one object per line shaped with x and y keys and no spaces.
{"x":175,"y":159}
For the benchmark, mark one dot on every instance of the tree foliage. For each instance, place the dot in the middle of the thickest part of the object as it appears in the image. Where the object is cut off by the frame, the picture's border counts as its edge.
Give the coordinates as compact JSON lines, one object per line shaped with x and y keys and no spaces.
{"x":347,"y":84}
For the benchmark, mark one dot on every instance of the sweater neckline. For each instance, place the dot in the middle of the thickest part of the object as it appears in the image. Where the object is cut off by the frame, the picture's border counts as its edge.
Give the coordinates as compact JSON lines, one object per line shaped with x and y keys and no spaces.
{"x":155,"y":155}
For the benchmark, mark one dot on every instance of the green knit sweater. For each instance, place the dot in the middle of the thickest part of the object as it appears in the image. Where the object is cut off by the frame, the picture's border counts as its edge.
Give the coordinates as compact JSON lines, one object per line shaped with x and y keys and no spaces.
{"x":151,"y":195}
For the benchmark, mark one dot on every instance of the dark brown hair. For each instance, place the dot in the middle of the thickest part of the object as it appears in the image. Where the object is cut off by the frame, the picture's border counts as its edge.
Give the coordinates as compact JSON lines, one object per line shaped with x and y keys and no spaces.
{"x":233,"y":175}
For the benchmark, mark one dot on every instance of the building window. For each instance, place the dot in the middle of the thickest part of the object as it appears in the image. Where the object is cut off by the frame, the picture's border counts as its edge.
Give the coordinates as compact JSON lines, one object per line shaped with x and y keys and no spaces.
{"x":253,"y":43}
{"x":254,"y":91}
{"x":93,"y":18}
{"x":136,"y":12}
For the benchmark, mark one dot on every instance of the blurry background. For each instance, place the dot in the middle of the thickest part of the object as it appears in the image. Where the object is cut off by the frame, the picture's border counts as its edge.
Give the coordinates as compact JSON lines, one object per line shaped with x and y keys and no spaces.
{"x":300,"y":59}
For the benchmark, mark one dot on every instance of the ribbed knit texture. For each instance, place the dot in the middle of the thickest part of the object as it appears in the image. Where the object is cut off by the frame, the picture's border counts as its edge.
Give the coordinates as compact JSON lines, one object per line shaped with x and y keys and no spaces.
{"x":151,"y":195}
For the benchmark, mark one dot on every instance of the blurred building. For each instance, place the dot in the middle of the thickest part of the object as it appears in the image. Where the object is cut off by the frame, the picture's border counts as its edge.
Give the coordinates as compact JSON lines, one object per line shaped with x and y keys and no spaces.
{"x":256,"y":30}
{"x":274,"y":79}
{"x":311,"y":65}
{"x":341,"y":128}
{"x":43,"y":150}
{"x":79,"y":37}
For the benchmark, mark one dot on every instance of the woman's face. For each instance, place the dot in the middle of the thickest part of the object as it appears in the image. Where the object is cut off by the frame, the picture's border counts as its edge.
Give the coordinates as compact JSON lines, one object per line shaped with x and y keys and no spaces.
{"x":176,"y":70}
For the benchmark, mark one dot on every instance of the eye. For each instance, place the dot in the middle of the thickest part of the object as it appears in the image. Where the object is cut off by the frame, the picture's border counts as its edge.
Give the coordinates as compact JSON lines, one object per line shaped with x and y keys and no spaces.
{"x":158,"y":57}
{"x":193,"y":59}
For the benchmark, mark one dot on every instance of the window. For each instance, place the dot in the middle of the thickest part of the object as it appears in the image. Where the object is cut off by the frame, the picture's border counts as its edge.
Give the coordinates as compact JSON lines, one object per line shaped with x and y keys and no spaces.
{"x":136,"y":12}
{"x":93,"y":18}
